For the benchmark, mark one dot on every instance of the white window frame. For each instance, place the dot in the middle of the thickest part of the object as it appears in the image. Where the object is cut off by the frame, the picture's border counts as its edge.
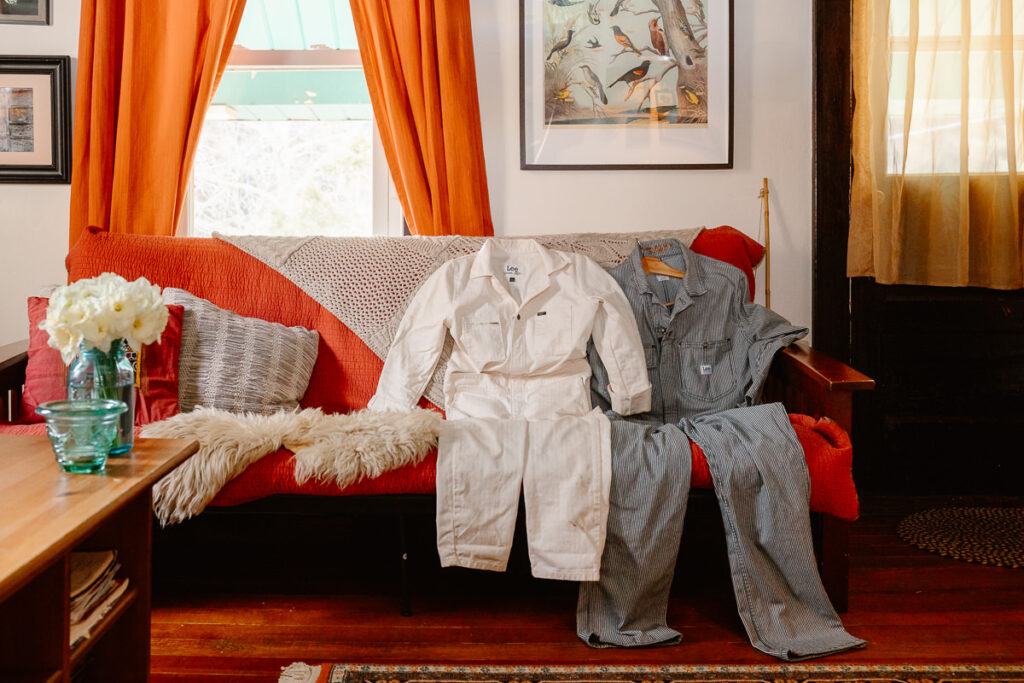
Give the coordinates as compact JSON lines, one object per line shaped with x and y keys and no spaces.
{"x":388,"y":219}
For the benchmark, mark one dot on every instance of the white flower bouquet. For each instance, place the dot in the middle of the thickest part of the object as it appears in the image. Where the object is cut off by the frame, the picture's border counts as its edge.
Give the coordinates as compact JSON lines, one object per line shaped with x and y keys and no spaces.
{"x":95,"y":312}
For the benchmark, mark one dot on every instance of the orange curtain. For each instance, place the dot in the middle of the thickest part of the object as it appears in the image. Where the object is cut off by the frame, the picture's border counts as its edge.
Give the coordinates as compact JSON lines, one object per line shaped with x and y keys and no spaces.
{"x":418,"y":59}
{"x":147,"y":70}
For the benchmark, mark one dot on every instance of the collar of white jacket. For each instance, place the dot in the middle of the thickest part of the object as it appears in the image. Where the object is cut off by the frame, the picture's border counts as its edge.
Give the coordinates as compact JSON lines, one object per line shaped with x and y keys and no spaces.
{"x":496,"y":250}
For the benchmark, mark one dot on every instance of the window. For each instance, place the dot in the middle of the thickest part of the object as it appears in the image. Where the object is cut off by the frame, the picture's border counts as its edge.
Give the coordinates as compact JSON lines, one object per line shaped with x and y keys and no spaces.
{"x":938,"y":142}
{"x":289,"y":146}
{"x":936,"y":33}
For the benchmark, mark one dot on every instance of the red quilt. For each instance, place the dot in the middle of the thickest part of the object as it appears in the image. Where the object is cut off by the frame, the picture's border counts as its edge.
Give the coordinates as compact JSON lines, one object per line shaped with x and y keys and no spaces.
{"x":346,"y":371}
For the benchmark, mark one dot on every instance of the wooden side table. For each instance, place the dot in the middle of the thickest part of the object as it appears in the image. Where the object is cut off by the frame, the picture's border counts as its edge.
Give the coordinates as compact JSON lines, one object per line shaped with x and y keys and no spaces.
{"x":44,"y":515}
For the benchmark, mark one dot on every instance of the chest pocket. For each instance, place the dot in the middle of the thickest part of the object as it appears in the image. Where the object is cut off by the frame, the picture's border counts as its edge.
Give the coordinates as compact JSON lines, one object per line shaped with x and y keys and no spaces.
{"x":483,"y":338}
{"x":707,"y":371}
{"x":551,"y":332}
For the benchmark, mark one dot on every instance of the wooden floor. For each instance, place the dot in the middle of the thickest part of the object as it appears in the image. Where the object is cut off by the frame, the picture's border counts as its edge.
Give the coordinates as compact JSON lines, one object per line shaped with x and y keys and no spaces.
{"x":912,"y":607}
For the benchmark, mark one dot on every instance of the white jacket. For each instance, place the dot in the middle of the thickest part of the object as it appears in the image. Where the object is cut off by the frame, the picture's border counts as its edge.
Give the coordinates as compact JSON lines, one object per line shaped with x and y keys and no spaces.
{"x":521,"y":316}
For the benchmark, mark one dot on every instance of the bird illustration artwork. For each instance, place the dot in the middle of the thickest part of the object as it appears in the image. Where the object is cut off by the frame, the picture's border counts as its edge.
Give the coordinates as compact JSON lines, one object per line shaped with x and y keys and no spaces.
{"x":565,"y":3}
{"x":592,"y":14}
{"x":622,"y":39}
{"x":560,"y":45}
{"x":563,"y":94}
{"x":594,"y":82}
{"x":656,"y":113}
{"x":689,"y":94}
{"x":658,"y":41}
{"x":616,"y":7}
{"x":593,"y":43}
{"x":632,"y":77}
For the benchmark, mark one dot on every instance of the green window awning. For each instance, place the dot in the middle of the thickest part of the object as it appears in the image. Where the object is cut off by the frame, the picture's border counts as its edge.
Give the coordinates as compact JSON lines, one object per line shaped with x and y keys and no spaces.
{"x":297,"y":25}
{"x":285,"y":94}
{"x":282,"y":92}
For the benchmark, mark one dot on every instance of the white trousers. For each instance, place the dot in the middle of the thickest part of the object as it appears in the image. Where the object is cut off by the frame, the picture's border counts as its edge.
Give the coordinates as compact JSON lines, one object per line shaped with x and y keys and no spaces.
{"x":563,"y":467}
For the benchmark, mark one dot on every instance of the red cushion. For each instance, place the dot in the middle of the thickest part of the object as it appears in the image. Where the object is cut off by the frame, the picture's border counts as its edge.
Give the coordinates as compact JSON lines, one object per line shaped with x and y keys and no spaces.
{"x":46,"y":374}
{"x":157,"y":398}
{"x":826,"y":447}
{"x":728,"y":244}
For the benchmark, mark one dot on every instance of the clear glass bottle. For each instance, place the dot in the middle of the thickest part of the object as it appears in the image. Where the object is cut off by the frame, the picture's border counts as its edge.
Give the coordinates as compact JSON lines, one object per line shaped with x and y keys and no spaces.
{"x":97,"y":375}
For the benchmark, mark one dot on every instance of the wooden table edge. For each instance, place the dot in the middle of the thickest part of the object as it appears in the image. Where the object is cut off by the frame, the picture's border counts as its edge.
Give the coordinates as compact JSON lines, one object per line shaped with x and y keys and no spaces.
{"x":17,"y":579}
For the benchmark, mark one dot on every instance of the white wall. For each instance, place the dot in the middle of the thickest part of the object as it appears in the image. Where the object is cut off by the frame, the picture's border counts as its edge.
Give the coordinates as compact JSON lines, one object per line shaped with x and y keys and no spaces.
{"x":34,"y":218}
{"x":773,"y":103}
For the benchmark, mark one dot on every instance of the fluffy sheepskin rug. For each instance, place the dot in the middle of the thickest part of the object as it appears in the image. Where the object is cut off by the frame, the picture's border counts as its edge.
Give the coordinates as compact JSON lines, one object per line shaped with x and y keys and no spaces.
{"x":339,"y":448}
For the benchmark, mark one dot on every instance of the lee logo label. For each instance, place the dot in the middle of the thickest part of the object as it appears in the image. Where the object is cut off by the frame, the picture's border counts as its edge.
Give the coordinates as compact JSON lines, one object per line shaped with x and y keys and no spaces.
{"x":705,"y":369}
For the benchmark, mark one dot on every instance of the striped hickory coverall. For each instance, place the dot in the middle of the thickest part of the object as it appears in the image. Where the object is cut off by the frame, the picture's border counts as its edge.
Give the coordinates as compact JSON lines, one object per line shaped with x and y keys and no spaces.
{"x":707,"y":357}
{"x":517,"y":401}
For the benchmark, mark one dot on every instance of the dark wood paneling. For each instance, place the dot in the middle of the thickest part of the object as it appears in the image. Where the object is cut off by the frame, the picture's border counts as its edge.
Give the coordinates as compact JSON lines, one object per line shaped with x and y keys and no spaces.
{"x":947,"y":415}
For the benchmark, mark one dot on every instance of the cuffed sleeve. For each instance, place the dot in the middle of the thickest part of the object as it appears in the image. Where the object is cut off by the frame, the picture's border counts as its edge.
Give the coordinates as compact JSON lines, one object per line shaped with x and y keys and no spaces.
{"x":769,"y":332}
{"x":416,"y":347}
{"x":617,"y":341}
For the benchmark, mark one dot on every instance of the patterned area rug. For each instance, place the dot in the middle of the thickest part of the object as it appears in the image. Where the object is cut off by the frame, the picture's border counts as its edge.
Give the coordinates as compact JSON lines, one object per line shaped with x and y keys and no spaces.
{"x":808,"y":673}
{"x":992,"y":536}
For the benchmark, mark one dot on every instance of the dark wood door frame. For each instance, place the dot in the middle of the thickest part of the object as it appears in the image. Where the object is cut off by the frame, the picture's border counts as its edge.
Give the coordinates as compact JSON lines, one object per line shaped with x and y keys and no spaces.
{"x":833,"y":120}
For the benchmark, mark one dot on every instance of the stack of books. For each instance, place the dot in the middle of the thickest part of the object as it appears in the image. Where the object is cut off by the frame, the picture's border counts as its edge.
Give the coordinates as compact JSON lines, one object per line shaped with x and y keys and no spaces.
{"x":95,"y":589}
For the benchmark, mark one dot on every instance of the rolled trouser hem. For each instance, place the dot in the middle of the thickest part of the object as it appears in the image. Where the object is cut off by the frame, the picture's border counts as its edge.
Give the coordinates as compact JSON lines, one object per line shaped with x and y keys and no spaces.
{"x":813,"y":651}
{"x":453,"y":560}
{"x":662,"y":637}
{"x":567,"y":574}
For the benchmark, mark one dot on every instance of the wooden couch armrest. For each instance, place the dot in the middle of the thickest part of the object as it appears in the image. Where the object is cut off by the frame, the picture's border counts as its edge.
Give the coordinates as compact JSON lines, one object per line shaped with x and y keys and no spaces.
{"x":13,"y":359}
{"x":808,"y":381}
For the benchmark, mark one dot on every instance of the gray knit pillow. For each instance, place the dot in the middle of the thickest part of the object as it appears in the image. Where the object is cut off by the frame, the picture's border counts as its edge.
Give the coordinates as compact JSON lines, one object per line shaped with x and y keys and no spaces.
{"x":244,"y":365}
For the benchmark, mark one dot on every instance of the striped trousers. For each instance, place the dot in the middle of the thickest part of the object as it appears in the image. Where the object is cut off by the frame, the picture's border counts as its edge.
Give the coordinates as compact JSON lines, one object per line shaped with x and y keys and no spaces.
{"x":761,"y":482}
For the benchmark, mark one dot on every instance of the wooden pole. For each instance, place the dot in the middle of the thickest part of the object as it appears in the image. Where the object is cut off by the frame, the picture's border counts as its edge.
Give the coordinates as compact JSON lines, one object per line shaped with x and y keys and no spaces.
{"x":767,"y":247}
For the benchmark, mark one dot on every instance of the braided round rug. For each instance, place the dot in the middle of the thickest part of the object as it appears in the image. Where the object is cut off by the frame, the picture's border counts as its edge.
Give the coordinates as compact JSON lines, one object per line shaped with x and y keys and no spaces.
{"x":992,"y":536}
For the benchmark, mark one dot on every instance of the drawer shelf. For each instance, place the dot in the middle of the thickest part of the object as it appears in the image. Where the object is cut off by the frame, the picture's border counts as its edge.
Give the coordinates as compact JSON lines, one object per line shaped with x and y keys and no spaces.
{"x":107,"y":623}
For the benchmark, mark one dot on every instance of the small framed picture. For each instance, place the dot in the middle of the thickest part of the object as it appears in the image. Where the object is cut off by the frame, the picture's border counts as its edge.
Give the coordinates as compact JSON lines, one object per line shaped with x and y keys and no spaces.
{"x":626,"y":84}
{"x":35,"y":119}
{"x":24,"y":11}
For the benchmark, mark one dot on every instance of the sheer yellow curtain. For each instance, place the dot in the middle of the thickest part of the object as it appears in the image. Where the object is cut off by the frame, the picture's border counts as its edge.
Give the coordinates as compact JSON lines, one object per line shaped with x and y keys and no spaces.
{"x":937,"y":142}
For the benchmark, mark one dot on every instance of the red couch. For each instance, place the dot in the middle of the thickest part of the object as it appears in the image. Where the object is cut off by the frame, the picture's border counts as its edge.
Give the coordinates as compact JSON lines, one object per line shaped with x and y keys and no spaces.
{"x":345,"y":375}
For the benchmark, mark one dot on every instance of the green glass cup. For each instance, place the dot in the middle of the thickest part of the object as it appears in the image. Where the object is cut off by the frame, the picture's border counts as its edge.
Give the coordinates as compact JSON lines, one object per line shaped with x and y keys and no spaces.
{"x":82,"y":432}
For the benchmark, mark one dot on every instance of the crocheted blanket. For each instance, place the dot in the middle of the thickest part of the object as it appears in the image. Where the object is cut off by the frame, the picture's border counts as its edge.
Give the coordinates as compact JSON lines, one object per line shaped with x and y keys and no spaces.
{"x":367,"y":282}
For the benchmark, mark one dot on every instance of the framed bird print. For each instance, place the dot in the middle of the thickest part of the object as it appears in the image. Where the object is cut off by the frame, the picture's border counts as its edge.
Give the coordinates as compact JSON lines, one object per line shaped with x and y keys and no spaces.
{"x":625,"y":84}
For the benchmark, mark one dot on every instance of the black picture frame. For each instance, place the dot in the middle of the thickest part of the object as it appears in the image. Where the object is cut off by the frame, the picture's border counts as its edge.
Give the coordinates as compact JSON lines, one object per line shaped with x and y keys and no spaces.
{"x":56,"y":73}
{"x":724,"y":160}
{"x":10,"y":12}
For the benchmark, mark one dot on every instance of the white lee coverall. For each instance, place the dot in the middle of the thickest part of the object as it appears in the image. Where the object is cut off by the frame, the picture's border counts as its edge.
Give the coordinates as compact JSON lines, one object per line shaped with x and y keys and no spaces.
{"x":517,"y":401}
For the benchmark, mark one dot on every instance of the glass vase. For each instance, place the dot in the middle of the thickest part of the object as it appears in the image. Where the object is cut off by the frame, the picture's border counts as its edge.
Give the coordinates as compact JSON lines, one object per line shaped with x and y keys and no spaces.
{"x":98,"y":375}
